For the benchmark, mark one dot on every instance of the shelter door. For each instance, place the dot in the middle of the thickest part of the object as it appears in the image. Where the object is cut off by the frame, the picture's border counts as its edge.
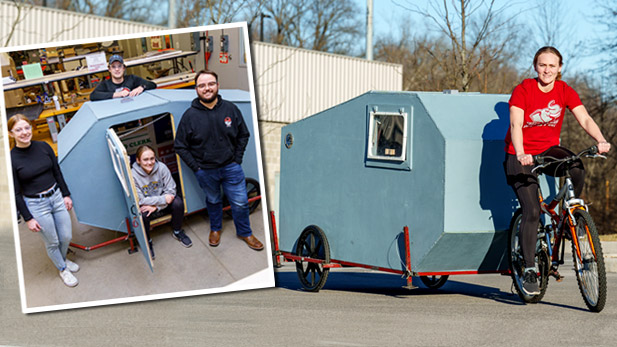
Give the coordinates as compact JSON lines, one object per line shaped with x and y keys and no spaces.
{"x":122,"y":168}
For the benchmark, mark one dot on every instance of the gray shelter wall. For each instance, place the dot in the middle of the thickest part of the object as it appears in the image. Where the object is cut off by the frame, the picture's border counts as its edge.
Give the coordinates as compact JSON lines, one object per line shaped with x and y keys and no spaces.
{"x":324,"y":181}
{"x":478,"y":202}
{"x":453,"y":197}
{"x":474,"y":126}
{"x":86,"y":164}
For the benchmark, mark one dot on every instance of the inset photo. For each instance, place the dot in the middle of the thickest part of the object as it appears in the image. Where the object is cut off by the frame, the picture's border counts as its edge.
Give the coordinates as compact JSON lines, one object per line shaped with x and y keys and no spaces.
{"x":135,"y":168}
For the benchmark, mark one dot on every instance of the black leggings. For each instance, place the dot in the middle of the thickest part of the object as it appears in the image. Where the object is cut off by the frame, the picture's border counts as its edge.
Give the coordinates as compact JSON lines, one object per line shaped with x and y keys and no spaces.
{"x":176,"y":208}
{"x":525,"y":185}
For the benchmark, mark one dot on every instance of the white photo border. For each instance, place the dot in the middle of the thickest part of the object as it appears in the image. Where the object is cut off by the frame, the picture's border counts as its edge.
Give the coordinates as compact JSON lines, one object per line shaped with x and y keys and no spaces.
{"x":259,"y":280}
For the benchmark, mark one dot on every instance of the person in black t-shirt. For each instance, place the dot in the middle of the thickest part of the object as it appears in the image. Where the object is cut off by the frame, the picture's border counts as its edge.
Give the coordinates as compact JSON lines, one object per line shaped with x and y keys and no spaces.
{"x":119,"y":85}
{"x":41,"y":195}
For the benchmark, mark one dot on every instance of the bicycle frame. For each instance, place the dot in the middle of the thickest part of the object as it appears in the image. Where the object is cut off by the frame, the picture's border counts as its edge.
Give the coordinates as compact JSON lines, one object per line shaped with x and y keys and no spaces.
{"x":557,"y":220}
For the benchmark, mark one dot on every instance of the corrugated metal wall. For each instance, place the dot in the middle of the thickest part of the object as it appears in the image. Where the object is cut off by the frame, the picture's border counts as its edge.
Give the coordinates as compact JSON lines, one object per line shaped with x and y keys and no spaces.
{"x":40,"y":24}
{"x":294,"y":83}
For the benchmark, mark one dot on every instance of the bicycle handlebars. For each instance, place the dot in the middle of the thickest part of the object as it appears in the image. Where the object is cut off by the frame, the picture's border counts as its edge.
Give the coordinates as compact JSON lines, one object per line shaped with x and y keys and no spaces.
{"x":543,"y":161}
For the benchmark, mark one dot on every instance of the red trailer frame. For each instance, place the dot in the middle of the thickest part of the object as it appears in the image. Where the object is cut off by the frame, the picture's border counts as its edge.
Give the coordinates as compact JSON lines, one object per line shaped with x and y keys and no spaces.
{"x":432,"y":280}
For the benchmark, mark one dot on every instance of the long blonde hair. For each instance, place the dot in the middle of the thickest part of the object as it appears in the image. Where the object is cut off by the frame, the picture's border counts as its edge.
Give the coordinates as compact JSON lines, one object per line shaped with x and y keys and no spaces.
{"x":11,"y":123}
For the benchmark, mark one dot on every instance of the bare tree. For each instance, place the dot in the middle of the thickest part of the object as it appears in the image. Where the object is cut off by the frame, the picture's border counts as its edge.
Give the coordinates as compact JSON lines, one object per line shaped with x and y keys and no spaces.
{"x":607,"y":44}
{"x":251,"y":13}
{"x":600,"y":175}
{"x":287,"y":18}
{"x":551,"y":27}
{"x":420,"y":71}
{"x":323,"y":25}
{"x":424,"y":68}
{"x":133,"y":10}
{"x":204,"y":12}
{"x":22,"y":8}
{"x":333,"y":25}
{"x":477,"y":31}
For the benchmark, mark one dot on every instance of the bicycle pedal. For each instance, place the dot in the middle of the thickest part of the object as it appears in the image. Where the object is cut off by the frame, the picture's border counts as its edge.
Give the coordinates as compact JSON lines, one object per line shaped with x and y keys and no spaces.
{"x":555,"y":274}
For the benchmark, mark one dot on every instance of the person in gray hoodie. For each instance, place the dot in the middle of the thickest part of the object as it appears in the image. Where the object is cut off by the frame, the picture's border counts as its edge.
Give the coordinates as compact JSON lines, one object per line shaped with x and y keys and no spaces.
{"x":156,"y":191}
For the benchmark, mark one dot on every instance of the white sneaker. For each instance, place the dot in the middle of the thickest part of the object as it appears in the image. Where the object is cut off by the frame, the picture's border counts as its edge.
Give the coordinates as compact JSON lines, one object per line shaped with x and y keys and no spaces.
{"x":68,"y":278}
{"x":71,"y":266}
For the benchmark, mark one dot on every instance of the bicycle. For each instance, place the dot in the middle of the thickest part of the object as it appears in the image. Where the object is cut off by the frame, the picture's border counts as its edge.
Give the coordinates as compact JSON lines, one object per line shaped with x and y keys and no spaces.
{"x":573,"y":222}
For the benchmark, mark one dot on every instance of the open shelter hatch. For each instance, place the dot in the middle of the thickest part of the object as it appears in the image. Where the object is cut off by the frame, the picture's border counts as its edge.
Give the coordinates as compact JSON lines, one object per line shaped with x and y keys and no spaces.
{"x":404,"y":182}
{"x":98,"y":145}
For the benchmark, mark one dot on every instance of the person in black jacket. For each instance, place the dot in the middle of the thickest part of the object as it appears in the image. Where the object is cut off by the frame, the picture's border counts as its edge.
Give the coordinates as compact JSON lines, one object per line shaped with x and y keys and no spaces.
{"x":211,"y":139}
{"x":41,"y":195}
{"x":119,"y":85}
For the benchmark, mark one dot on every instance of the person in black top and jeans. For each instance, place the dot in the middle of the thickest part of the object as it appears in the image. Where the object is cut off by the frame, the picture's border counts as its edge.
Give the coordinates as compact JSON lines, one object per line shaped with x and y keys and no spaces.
{"x":41,"y":195}
{"x":119,"y":85}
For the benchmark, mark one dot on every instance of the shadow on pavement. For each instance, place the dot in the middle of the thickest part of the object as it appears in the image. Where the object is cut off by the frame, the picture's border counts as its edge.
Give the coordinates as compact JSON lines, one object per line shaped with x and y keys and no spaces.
{"x":393,"y":285}
{"x":582,"y":309}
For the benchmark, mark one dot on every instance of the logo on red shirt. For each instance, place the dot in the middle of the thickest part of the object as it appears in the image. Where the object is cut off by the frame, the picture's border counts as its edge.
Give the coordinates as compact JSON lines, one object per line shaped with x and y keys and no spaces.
{"x":548,"y":116}
{"x":228,"y":122}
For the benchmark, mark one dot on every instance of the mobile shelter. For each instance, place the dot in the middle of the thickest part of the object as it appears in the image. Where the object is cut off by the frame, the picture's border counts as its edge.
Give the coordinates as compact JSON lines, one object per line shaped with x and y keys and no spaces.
{"x":94,"y":150}
{"x":364,"y":171}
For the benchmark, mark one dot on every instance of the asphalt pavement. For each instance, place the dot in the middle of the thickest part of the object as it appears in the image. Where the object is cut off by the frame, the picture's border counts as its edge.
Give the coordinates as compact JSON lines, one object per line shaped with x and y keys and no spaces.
{"x":355,"y":308}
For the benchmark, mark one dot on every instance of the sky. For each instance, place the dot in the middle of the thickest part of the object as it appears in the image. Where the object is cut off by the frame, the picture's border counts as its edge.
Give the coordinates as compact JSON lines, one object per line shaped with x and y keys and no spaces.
{"x":580,"y":16}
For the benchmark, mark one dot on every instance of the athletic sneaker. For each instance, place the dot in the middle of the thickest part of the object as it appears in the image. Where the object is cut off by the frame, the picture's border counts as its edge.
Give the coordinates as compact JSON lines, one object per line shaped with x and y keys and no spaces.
{"x":530,"y":283}
{"x":181,"y":236}
{"x":68,"y":278}
{"x":71,"y":266}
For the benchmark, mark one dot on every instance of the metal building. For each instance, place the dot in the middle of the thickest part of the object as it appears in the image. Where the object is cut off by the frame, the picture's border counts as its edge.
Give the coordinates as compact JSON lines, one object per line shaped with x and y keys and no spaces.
{"x":27,"y":24}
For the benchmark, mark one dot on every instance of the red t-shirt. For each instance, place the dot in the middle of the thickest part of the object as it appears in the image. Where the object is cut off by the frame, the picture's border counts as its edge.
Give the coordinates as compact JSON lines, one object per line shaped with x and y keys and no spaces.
{"x":543,"y":114}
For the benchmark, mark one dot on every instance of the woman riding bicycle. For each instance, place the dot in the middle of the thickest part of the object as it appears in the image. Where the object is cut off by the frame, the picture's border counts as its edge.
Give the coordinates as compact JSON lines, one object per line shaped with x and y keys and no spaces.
{"x":537,"y":108}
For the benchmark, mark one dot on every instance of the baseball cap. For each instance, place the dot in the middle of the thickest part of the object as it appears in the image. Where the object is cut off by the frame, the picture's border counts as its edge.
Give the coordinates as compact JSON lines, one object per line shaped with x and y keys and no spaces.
{"x":116,"y":57}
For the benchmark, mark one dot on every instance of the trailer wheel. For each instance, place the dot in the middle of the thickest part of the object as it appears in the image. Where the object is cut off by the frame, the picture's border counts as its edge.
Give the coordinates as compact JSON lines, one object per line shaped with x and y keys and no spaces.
{"x":252,"y":190}
{"x":312,"y":243}
{"x":434,"y":282}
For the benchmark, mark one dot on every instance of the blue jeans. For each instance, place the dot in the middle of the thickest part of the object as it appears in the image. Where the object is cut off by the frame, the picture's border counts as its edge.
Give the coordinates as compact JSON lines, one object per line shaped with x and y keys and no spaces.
{"x":231,"y":178}
{"x":55,"y":221}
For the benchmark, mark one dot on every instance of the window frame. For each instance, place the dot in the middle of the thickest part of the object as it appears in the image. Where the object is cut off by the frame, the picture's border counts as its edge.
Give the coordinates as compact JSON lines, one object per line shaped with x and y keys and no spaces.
{"x":372,"y":137}
{"x":401,"y":162}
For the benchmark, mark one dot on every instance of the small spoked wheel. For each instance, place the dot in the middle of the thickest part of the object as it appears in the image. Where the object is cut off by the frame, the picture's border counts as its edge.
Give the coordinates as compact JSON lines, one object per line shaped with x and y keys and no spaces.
{"x":313,"y":244}
{"x":434,"y":282}
{"x":252,"y":190}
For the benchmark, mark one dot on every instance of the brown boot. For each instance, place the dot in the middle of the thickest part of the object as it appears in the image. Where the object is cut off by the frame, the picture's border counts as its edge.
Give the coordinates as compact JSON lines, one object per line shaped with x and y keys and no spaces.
{"x":252,"y":242}
{"x":215,"y":238}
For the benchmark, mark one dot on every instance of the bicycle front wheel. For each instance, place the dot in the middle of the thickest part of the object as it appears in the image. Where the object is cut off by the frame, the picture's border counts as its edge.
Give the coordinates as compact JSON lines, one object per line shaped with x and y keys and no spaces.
{"x":589,"y":261}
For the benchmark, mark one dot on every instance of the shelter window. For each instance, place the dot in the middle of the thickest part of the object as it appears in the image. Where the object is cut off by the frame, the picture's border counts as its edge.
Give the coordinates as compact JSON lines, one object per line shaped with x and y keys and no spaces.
{"x":387,"y":136}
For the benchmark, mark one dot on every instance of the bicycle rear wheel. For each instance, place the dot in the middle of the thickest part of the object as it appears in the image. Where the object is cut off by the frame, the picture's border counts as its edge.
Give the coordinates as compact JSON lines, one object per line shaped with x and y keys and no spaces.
{"x":589,"y":266}
{"x":517,"y":264}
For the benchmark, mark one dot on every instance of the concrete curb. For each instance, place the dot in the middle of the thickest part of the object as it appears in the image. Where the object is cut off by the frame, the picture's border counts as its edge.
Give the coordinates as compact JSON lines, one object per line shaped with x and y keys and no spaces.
{"x":609,"y":248}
